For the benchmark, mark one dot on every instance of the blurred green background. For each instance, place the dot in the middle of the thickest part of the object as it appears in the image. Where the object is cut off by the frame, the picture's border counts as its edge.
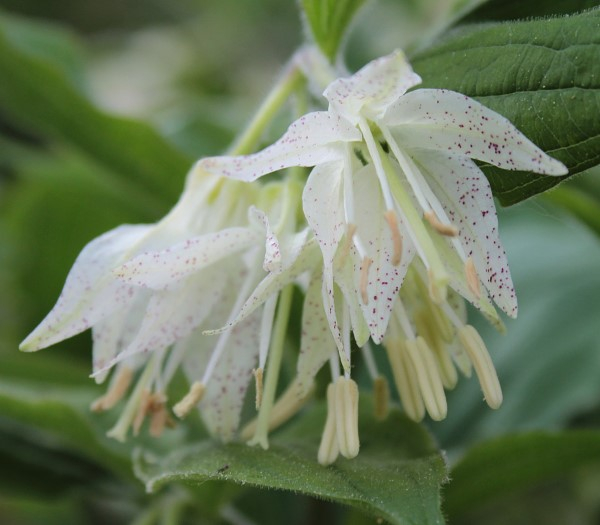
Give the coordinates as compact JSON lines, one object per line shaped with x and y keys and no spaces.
{"x":103,"y":108}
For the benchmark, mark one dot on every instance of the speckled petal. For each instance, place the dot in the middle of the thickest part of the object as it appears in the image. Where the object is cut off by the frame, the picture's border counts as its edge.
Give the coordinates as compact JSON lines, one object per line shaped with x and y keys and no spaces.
{"x":466,"y":197}
{"x":371,"y":90}
{"x":316,"y":343}
{"x":344,"y":278}
{"x":223,"y":399}
{"x":384,"y":279}
{"x":114,"y":333}
{"x":273,"y":283}
{"x":451,"y":122}
{"x":91,"y":291}
{"x":173,"y":314}
{"x":323,"y":207}
{"x":167,"y":268}
{"x":312,"y":139}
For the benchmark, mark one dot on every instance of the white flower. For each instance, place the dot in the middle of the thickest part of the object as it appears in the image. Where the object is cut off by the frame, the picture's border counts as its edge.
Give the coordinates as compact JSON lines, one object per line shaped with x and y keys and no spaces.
{"x":394,"y":180}
{"x":132,"y":287}
{"x":206,"y":291}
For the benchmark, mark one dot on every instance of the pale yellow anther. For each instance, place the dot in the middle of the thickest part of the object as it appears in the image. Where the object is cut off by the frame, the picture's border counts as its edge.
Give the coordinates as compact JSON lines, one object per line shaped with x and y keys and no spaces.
{"x":443,"y":229}
{"x":158,"y":421}
{"x":346,"y":413}
{"x":117,"y":389}
{"x":405,"y":380}
{"x":286,"y":406}
{"x":190,"y":400}
{"x":428,"y":377}
{"x":482,"y":362}
{"x":392,"y":221}
{"x":472,"y":277}
{"x":427,"y":328}
{"x":364,"y":279}
{"x":328,"y":449}
{"x":381,"y":397}
{"x":142,"y":411}
{"x":258,"y":383}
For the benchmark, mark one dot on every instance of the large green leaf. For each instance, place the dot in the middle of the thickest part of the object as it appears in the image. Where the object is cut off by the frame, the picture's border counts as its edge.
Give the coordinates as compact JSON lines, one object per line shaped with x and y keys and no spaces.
{"x":58,"y":415}
{"x":396,"y":476}
{"x":328,"y":21}
{"x":37,"y":94}
{"x":503,"y":466}
{"x":517,"y":9}
{"x":543,"y":75}
{"x":548,"y":360}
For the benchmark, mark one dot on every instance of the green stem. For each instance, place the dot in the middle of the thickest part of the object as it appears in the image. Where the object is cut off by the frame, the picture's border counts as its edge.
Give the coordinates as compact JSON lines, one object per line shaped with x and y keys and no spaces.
{"x":273,"y":368}
{"x":287,"y":84}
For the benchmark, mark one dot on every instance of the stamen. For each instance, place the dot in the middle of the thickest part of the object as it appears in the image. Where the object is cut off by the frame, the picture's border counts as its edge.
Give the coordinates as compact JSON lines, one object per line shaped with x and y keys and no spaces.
{"x":328,"y":449}
{"x":374,"y":151}
{"x":441,"y":228}
{"x":472,"y":277}
{"x":258,"y":381}
{"x":288,"y":404}
{"x":266,"y":326}
{"x":427,"y":329}
{"x":118,"y":387}
{"x":404,"y":378}
{"x":428,"y":377}
{"x":364,"y":279}
{"x":273,"y":368}
{"x":381,"y":394}
{"x":392,"y":220}
{"x":484,"y":367}
{"x":159,"y":421}
{"x":141,"y":411}
{"x":190,"y":400}
{"x":381,"y":391}
{"x":346,"y":413}
{"x":136,"y":399}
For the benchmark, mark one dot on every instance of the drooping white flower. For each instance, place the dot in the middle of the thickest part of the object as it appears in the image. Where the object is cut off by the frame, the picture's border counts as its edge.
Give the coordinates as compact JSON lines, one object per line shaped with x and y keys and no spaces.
{"x":132,"y":287}
{"x":394,"y":179}
{"x":191,"y":282}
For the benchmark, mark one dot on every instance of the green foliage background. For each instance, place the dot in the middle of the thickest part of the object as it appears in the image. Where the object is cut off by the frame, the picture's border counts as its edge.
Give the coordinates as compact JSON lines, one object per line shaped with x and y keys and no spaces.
{"x":103,"y":108}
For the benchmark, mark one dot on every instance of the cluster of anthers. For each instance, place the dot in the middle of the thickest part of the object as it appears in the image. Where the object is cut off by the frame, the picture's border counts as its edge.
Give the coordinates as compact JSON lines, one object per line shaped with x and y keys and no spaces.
{"x":393,"y":230}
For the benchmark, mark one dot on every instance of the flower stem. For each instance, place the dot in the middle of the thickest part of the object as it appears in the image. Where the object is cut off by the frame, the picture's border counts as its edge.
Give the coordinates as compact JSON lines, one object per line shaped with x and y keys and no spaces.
{"x":287,"y":84}
{"x":273,"y":368}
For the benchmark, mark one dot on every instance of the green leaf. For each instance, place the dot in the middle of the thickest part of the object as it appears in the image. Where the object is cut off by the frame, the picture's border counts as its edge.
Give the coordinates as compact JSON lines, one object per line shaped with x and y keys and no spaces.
{"x":506,"y":465}
{"x":328,"y":21}
{"x":517,"y":9}
{"x":548,"y":360}
{"x":38,"y":95}
{"x":59,"y":415}
{"x":396,"y":476}
{"x":543,"y":75}
{"x":50,"y":43}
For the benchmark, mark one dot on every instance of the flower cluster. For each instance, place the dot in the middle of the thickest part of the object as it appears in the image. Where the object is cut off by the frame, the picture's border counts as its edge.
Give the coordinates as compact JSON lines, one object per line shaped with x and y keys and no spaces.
{"x":393,"y":230}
